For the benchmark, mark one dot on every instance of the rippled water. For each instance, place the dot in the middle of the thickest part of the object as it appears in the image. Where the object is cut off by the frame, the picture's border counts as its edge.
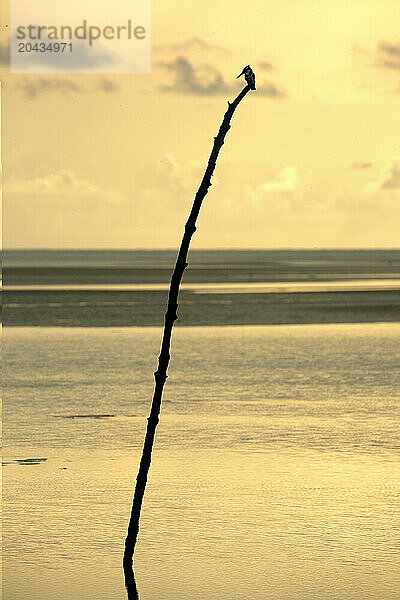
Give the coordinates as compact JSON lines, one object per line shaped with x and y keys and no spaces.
{"x":275,"y":473}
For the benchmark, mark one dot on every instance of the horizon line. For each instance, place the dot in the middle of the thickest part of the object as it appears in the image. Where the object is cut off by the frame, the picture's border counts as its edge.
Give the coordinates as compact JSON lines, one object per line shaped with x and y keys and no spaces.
{"x":285,"y":248}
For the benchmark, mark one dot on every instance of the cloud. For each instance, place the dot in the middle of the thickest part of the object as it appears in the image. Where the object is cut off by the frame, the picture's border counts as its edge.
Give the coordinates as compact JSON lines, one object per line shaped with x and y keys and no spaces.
{"x":269,"y":89}
{"x":33,"y":86}
{"x":389,"y":179}
{"x":62,"y":186}
{"x":61,"y":209}
{"x":198,"y":68}
{"x":389,"y":55}
{"x":179,"y":182}
{"x":265,"y":66}
{"x":107,"y":85}
{"x":361,"y":166}
{"x":83,"y":57}
{"x":206,"y":80}
{"x":285,"y":181}
{"x":164,"y":200}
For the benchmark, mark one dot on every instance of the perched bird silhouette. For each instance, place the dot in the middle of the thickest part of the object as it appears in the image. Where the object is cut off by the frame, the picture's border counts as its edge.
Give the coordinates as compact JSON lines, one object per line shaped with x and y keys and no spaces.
{"x":249,"y":76}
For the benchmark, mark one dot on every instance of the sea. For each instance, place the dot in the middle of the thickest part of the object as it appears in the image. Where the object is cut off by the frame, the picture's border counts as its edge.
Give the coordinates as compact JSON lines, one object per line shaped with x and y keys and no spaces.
{"x":76,"y":288}
{"x":275,"y":471}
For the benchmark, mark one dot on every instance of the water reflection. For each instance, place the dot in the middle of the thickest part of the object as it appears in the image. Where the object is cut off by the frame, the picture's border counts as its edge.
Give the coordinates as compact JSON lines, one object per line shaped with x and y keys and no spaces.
{"x":130,"y":582}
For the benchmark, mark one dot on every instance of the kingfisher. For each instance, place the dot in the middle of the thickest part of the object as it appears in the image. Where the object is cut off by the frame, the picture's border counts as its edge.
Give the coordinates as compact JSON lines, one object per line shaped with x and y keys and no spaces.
{"x":249,"y":76}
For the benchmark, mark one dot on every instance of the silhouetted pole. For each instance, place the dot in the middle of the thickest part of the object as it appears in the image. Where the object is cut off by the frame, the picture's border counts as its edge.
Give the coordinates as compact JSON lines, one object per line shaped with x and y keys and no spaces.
{"x":160,"y":375}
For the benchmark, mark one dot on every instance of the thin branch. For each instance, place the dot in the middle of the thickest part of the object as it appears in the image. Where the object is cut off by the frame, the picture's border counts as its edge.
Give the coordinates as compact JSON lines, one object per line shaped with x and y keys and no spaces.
{"x":160,"y":375}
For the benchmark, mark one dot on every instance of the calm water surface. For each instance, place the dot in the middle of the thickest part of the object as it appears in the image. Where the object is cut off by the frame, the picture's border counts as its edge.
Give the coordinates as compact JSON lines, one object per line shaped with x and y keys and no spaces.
{"x":275,"y":473}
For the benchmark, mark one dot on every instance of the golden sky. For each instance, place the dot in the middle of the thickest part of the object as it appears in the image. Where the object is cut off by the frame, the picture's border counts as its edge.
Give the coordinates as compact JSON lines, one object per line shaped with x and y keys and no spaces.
{"x":312,"y":159}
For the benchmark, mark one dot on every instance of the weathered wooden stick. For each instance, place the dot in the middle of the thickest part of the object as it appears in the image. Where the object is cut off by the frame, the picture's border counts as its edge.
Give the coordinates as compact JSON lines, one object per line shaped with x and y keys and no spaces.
{"x":160,"y":375}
